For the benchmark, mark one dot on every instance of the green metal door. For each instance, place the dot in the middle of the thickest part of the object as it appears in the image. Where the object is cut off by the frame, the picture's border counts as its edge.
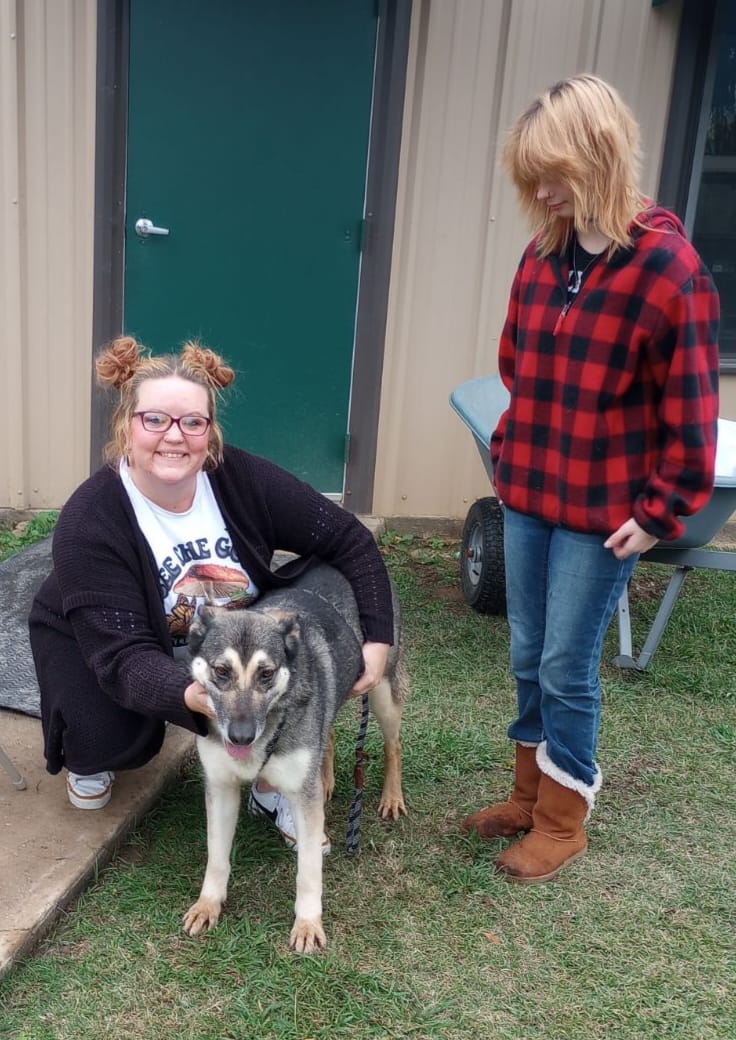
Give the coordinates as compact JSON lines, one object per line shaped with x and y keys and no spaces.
{"x":248,"y":141}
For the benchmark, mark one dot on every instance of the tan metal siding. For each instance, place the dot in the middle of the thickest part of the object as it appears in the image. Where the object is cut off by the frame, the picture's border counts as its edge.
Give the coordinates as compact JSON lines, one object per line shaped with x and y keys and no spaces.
{"x":47,"y":113}
{"x":473,"y":66}
{"x":11,"y":380}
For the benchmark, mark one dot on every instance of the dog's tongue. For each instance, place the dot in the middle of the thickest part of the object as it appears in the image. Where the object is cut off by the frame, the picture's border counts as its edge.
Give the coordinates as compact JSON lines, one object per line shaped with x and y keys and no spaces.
{"x":238,"y":750}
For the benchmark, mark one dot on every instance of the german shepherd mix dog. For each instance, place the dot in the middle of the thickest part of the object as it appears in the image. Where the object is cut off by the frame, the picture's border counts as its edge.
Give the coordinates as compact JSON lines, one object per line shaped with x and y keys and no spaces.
{"x":277,"y":673}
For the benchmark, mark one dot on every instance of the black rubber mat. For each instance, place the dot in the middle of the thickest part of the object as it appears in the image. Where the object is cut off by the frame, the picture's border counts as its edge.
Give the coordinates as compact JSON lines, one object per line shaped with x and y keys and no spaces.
{"x":20,"y":576}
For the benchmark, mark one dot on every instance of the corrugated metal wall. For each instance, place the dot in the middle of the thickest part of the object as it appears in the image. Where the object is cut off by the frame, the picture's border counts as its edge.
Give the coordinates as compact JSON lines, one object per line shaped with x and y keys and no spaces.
{"x":47,"y":124}
{"x":474,"y":66}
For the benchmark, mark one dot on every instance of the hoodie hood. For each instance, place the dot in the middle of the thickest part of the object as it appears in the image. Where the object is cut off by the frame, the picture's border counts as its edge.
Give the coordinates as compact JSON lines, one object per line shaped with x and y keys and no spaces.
{"x":659,"y":219}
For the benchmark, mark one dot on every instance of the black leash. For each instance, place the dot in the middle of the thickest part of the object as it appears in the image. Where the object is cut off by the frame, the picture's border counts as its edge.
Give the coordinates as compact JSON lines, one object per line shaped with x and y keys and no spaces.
{"x":352,"y":841}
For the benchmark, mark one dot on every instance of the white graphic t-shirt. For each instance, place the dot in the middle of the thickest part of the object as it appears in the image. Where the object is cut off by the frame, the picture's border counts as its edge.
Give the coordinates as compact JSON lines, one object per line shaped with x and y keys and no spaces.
{"x":195,"y":557}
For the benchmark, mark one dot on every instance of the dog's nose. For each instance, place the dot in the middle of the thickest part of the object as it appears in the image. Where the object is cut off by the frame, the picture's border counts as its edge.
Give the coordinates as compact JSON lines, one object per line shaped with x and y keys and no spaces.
{"x":241,"y":731}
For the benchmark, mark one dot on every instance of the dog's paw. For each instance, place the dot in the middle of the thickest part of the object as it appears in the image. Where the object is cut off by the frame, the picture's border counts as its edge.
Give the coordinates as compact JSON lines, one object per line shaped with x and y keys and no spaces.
{"x":202,"y":916}
{"x":392,"y":806}
{"x":307,"y":935}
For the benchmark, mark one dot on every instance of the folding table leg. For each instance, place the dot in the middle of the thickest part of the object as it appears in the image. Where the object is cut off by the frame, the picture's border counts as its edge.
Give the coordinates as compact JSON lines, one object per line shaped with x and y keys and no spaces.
{"x":663,"y":615}
{"x":625,"y":658}
{"x":18,"y":779}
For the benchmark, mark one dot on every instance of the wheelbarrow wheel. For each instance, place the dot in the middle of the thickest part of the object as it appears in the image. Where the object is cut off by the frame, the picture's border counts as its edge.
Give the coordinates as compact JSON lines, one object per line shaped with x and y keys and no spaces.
{"x":482,"y":570}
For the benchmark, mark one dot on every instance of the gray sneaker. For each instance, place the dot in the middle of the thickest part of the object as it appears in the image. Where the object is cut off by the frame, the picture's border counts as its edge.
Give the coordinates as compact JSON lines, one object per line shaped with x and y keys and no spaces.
{"x":89,"y":792}
{"x":275,"y":806}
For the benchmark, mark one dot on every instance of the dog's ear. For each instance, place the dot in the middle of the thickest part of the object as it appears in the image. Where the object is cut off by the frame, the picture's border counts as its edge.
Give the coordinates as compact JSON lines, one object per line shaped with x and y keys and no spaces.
{"x":198,"y":629}
{"x":288,"y":624}
{"x":291,"y":632}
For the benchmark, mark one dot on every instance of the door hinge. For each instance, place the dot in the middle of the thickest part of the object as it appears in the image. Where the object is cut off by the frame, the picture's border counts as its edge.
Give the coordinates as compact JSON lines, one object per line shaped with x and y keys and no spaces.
{"x":362,"y":235}
{"x":346,"y":456}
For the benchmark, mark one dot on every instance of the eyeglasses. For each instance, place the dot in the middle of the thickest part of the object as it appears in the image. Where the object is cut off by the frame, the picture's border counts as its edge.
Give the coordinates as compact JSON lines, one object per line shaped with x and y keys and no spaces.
{"x":160,"y":422}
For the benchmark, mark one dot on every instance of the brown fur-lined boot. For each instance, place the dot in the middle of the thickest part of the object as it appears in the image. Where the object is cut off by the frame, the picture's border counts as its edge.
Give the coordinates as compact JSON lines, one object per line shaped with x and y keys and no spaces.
{"x":506,"y":819}
{"x":556,"y":839}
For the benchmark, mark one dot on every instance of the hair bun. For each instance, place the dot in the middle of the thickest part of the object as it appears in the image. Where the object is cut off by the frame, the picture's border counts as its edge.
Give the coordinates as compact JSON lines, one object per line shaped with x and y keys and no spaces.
{"x":119,"y":362}
{"x":205,"y":361}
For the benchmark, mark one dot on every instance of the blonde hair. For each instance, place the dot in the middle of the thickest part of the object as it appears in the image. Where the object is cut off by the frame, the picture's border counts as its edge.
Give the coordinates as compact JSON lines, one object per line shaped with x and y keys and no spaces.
{"x":581,"y":133}
{"x":125,"y":364}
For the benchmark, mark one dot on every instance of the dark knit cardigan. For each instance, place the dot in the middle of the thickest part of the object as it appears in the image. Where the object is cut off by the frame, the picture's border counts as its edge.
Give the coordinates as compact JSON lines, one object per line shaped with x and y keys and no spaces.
{"x":104,"y":590}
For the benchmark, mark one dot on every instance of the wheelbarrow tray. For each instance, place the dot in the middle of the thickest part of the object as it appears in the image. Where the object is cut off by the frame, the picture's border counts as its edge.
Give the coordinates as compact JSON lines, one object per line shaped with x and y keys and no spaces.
{"x":481,"y":402}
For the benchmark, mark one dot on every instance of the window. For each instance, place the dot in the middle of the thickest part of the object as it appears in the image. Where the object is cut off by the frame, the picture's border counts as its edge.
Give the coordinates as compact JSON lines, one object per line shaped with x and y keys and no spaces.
{"x":699,"y":165}
{"x":713,"y":198}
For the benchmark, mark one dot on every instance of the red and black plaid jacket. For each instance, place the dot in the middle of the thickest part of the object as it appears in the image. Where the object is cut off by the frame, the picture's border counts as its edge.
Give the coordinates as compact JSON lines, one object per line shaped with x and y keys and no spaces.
{"x":614,"y":404}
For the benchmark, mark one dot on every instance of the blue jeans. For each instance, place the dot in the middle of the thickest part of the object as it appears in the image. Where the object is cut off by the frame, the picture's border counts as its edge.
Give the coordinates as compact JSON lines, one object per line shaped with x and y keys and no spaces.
{"x":562,"y":591}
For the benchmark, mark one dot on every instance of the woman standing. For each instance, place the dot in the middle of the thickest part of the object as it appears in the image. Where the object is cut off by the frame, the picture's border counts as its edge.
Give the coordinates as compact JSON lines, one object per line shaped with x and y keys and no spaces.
{"x":610,"y":354}
{"x":175,"y":519}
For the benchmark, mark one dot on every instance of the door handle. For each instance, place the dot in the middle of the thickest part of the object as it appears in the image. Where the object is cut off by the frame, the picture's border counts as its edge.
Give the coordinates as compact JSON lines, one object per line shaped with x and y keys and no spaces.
{"x":145,"y":227}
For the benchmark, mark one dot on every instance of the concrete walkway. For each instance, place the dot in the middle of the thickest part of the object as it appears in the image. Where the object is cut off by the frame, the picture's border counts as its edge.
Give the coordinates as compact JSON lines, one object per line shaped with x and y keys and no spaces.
{"x":49,"y":850}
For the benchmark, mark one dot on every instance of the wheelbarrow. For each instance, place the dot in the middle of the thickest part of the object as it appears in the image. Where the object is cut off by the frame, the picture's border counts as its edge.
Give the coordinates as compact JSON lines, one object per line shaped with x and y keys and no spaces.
{"x":480,"y":404}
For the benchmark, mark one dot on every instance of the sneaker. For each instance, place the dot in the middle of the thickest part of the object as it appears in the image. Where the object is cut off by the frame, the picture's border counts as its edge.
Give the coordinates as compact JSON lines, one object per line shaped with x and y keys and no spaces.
{"x":275,"y":806}
{"x":89,"y":792}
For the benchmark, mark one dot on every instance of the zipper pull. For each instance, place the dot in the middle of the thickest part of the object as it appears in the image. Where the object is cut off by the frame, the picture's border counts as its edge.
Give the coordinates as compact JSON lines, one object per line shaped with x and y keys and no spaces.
{"x":561,"y":318}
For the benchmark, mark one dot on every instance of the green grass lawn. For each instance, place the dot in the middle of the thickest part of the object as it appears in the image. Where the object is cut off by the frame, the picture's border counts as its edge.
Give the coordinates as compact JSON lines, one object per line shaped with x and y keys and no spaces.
{"x":636,"y":940}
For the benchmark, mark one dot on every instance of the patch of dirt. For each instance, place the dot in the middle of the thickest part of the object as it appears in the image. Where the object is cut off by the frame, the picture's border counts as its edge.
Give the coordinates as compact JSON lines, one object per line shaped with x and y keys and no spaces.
{"x":450,"y":593}
{"x":434,"y":582}
{"x":632,"y":778}
{"x":74,"y":951}
{"x":131,"y":855}
{"x":434,"y":562}
{"x":16,"y":520}
{"x":647,"y":584}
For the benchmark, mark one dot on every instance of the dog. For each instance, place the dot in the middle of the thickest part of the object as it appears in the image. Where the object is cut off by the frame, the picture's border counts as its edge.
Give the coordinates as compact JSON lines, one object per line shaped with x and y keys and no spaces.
{"x":277,"y":673}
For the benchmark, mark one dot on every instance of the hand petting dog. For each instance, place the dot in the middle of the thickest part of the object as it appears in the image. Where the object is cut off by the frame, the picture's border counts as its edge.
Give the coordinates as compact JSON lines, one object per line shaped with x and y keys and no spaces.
{"x":375,"y":659}
{"x":198,"y":700}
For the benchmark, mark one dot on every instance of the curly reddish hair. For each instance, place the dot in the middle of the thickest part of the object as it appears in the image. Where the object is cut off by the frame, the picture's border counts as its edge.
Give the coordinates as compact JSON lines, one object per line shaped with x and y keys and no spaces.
{"x":125,"y":364}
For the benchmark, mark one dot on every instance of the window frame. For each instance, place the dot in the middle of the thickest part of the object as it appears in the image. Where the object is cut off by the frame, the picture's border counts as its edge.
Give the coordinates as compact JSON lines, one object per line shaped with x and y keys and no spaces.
{"x":692,"y":87}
